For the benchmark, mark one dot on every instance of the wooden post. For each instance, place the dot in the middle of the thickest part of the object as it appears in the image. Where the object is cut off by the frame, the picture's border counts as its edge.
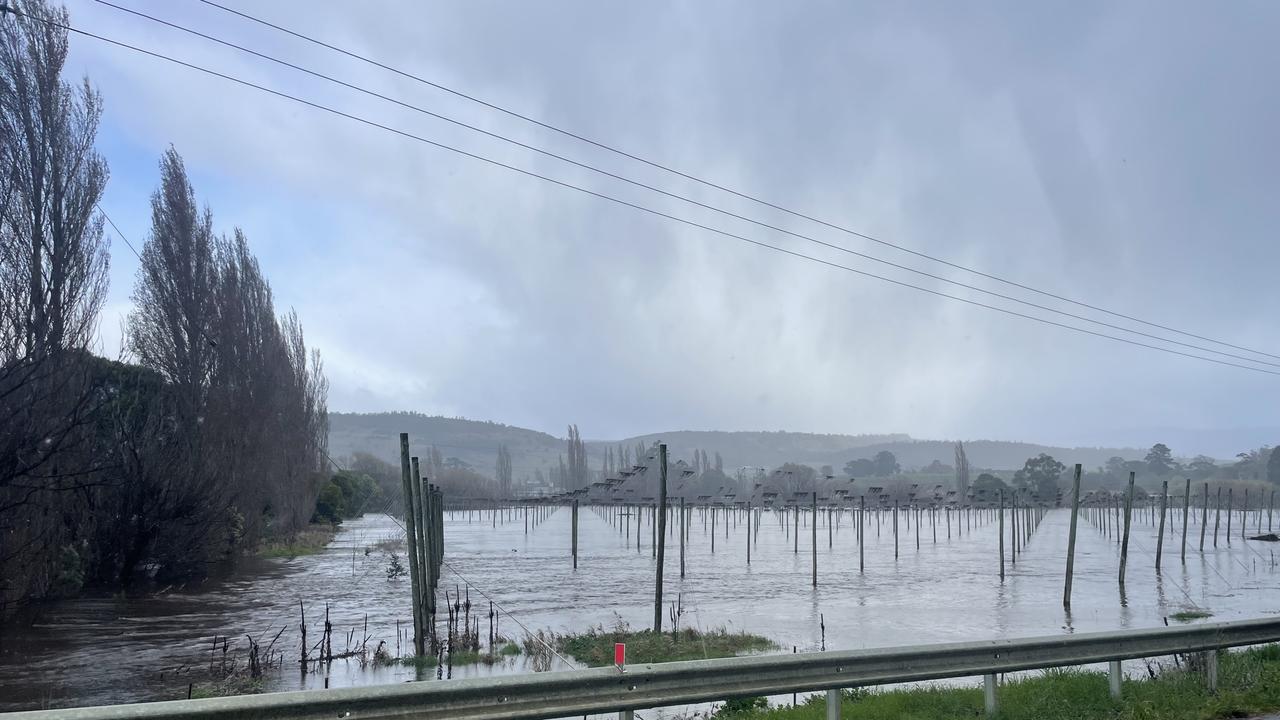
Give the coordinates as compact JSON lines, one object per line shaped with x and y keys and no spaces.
{"x":1204,"y":516}
{"x":1013,"y":534}
{"x":895,"y":529}
{"x":862,"y":521}
{"x":429,"y":551}
{"x":1128,"y":518}
{"x":662,"y":535}
{"x":437,"y":503}
{"x":425,"y":561}
{"x":573,"y":530}
{"x":815,"y":539}
{"x":1229,"y":506}
{"x":1001,"y":533}
{"x":1071,"y":538}
{"x":683,"y":531}
{"x":1186,"y":511}
{"x":1164,"y":501}
{"x":653,"y":529}
{"x":796,"y":535}
{"x":748,"y":532}
{"x":1244,"y":514}
{"x":1217,"y":515}
{"x":411,"y":535}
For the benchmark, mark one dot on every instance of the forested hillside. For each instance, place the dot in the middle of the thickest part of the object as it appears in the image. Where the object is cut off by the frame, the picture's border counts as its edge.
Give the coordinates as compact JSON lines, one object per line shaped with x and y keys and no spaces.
{"x":476,"y":443}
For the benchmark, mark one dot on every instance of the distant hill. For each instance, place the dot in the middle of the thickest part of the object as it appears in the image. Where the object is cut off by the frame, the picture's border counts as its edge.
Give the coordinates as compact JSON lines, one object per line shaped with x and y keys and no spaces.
{"x":476,"y":443}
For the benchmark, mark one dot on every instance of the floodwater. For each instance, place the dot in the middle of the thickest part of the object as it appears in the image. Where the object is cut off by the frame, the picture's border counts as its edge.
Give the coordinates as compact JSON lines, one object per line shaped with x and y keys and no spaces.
{"x":94,"y":651}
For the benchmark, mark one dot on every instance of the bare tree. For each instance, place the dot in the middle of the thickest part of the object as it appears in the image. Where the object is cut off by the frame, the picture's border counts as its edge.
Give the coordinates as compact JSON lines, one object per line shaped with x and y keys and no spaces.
{"x":53,"y":279}
{"x":169,"y":328}
{"x":503,"y":471}
{"x":51,"y":243}
{"x":577,"y":467}
{"x":962,"y":471}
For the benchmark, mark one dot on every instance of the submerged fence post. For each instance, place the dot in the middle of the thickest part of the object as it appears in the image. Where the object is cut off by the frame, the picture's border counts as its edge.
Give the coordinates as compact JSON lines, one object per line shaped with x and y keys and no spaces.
{"x":1217,"y":515}
{"x":1164,"y":501}
{"x":1071,"y":546}
{"x":815,"y":539}
{"x":862,"y":519}
{"x":425,"y":561}
{"x":1001,"y":534}
{"x":1186,"y":510}
{"x":1128,"y":518}
{"x":683,"y":531}
{"x":1204,"y":516}
{"x":573,"y":530}
{"x":406,"y":476}
{"x":662,"y":535}
{"x":895,"y":529}
{"x":1229,"y":508}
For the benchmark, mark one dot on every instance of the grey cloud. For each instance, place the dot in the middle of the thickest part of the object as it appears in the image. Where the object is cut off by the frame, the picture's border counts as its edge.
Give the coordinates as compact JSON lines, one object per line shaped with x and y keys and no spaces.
{"x":1121,"y":154}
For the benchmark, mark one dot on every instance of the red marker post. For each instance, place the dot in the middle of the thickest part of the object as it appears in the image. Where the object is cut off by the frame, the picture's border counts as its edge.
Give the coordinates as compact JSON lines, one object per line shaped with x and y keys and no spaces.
{"x":620,"y":655}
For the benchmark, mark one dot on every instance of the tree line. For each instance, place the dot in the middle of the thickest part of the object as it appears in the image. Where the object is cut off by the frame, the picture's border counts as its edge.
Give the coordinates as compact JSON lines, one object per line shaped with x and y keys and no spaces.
{"x":207,"y":436}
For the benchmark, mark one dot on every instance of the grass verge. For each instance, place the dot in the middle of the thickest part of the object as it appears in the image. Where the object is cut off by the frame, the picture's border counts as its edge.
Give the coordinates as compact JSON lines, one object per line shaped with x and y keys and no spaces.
{"x":461,"y":657}
{"x":1189,"y":615}
{"x":308,"y":541}
{"x":228,"y":686}
{"x":595,"y":646}
{"x":1248,"y":684}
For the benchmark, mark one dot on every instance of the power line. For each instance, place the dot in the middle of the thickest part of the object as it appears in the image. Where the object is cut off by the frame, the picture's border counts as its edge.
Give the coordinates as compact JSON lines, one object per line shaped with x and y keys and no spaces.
{"x":117,"y":229}
{"x":711,"y":184}
{"x":635,"y":206}
{"x":673,"y":195}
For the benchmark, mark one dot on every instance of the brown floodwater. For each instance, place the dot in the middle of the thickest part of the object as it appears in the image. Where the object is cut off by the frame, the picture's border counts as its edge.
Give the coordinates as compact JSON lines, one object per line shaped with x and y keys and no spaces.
{"x":102,"y":650}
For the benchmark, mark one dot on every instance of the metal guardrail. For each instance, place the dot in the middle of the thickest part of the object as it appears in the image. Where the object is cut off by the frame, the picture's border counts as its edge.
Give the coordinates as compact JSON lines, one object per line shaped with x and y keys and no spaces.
{"x":600,"y":690}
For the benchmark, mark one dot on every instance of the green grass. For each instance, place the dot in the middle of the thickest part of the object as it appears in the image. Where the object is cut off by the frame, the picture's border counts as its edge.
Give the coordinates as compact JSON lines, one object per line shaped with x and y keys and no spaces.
{"x":461,"y":657}
{"x":233,"y":685}
{"x":1189,"y":615}
{"x":595,"y":646}
{"x":1248,"y":684}
{"x":308,"y":541}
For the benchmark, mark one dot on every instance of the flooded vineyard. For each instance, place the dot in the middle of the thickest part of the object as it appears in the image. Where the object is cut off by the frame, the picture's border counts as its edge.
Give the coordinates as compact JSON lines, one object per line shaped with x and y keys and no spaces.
{"x":943,"y":585}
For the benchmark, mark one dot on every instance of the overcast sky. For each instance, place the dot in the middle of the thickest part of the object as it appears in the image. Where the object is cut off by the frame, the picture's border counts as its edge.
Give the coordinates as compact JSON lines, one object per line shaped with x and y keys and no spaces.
{"x":1121,"y":154}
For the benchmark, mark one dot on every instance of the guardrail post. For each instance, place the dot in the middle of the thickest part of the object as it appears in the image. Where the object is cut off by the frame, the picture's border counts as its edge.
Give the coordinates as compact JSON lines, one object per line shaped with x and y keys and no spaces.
{"x":626,"y":715}
{"x":989,"y":692}
{"x":1211,"y":670}
{"x":1115,"y":675}
{"x":833,"y":704}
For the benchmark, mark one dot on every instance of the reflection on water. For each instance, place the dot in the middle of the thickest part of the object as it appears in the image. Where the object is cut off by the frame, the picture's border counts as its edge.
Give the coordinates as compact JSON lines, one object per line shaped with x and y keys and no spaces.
{"x":105,"y":650}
